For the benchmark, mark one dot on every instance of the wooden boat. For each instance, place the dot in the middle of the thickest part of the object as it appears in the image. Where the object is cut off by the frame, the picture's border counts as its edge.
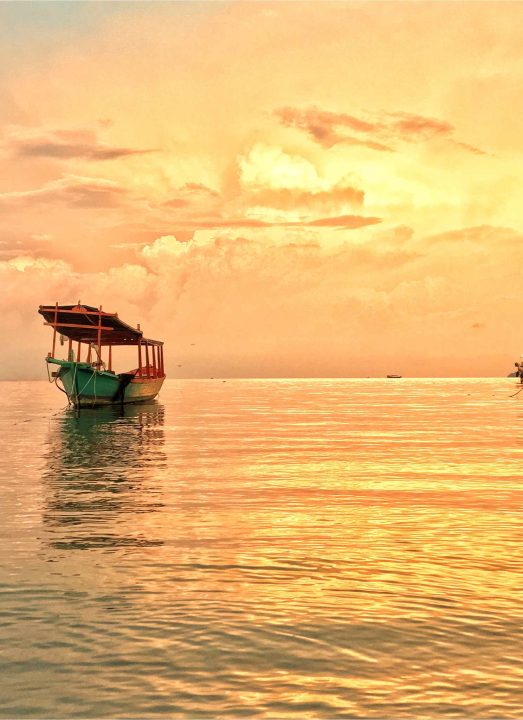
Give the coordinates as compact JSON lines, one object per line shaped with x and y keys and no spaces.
{"x":92,"y":382}
{"x":394,"y":376}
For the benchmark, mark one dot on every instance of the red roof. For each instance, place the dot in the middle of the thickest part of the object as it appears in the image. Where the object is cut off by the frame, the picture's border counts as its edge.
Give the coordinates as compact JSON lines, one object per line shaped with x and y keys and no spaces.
{"x":81,"y":323}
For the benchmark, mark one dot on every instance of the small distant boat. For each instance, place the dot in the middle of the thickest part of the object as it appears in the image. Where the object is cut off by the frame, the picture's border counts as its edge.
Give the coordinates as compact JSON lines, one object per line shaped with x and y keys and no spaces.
{"x":92,"y":382}
{"x":393,"y":376}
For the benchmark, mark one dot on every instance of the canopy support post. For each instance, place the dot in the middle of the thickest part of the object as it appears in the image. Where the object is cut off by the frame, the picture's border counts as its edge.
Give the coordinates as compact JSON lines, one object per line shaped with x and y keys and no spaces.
{"x":54,"y":329}
{"x":147,"y":358}
{"x":100,"y":338}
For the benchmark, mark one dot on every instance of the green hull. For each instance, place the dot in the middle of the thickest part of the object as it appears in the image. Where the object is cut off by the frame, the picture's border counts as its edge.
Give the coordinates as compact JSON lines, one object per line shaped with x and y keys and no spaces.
{"x":87,"y":387}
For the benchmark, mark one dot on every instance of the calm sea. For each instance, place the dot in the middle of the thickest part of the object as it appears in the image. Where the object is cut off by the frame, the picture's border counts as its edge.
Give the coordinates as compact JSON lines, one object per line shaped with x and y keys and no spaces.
{"x":266,"y":548}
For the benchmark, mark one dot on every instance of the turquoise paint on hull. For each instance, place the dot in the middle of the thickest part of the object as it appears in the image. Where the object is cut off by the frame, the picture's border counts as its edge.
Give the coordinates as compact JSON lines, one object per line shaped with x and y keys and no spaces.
{"x":88,"y":387}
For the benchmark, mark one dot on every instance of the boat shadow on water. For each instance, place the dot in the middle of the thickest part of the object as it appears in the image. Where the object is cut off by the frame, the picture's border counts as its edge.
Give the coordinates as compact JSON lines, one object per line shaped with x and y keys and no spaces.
{"x":100,"y":476}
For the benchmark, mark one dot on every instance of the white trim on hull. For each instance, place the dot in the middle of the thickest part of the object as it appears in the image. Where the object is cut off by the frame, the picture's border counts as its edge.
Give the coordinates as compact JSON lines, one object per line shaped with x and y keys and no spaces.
{"x":137,"y":391}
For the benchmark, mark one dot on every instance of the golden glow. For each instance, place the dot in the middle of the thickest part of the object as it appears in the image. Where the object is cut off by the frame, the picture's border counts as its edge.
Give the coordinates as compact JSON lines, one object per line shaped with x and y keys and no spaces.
{"x":342,"y":200}
{"x":313,"y":537}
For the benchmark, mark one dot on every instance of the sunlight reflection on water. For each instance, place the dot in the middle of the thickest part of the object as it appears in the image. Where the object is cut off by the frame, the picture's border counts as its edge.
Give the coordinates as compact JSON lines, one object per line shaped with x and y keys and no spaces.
{"x":326,"y":548}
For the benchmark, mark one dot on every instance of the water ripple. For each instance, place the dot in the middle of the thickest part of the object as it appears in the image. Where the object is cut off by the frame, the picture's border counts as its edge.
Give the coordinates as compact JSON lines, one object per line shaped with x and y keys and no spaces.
{"x":312,"y":549}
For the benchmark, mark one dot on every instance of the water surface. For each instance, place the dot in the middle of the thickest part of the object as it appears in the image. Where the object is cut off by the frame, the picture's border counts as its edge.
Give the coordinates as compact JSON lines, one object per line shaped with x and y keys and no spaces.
{"x":269,"y":548}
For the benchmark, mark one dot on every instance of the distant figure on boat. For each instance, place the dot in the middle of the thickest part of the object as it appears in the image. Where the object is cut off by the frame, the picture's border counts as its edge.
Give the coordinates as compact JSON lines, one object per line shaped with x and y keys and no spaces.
{"x":519,"y":370}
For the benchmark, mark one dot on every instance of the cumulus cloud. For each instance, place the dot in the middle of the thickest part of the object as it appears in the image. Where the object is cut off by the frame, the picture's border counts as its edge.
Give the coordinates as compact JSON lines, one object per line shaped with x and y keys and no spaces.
{"x":33,"y":281}
{"x":396,"y":297}
{"x":113,"y":218}
{"x":257,"y":304}
{"x":271,"y":177}
{"x":269,"y":166}
{"x":276,"y":189}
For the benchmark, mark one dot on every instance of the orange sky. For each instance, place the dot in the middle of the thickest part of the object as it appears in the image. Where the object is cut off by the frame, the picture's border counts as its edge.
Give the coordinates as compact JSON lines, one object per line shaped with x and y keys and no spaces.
{"x":275,"y":189}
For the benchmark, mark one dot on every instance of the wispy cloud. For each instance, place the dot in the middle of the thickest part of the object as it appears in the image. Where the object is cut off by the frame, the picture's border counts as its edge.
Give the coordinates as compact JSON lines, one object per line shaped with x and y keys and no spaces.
{"x":344,"y":221}
{"x":27,"y":143}
{"x":70,"y":190}
{"x":314,"y":201}
{"x":382,"y":134}
{"x":327,"y":128}
{"x":412,"y":126}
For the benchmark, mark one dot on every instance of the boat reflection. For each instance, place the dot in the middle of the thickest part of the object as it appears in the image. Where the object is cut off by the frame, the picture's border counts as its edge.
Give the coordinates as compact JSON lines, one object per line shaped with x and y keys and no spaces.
{"x":100,"y":476}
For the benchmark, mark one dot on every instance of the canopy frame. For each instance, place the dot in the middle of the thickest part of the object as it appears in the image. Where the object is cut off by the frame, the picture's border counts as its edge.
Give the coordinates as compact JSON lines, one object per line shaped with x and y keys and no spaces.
{"x":96,"y":328}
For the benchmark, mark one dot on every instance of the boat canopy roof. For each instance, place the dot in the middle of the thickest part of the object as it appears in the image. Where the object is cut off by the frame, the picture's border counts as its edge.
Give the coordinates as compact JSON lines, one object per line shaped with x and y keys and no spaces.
{"x":82,"y":323}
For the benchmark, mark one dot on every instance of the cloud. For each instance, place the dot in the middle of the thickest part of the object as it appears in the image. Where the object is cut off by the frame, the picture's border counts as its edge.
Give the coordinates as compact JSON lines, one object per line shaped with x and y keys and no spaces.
{"x":416,"y":126}
{"x":70,"y":190}
{"x":195,"y":197}
{"x":344,"y":221}
{"x":382,"y":134}
{"x":260,"y":305}
{"x":27,"y":143}
{"x":323,"y":126}
{"x":114,"y":220}
{"x":360,"y":300}
{"x":273,"y":192}
{"x":272,"y":178}
{"x":267,"y":166}
{"x":258,"y":161}
{"x":480,"y":237}
{"x":314,"y":201}
{"x":339,"y":221}
{"x":470,"y":148}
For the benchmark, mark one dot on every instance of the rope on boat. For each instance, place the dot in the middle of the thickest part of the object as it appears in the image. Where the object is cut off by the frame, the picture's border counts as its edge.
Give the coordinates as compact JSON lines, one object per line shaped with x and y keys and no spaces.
{"x":79,"y":392}
{"x":517,"y":393}
{"x":74,"y":382}
{"x":76,"y":395}
{"x":71,"y":398}
{"x":55,"y":381}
